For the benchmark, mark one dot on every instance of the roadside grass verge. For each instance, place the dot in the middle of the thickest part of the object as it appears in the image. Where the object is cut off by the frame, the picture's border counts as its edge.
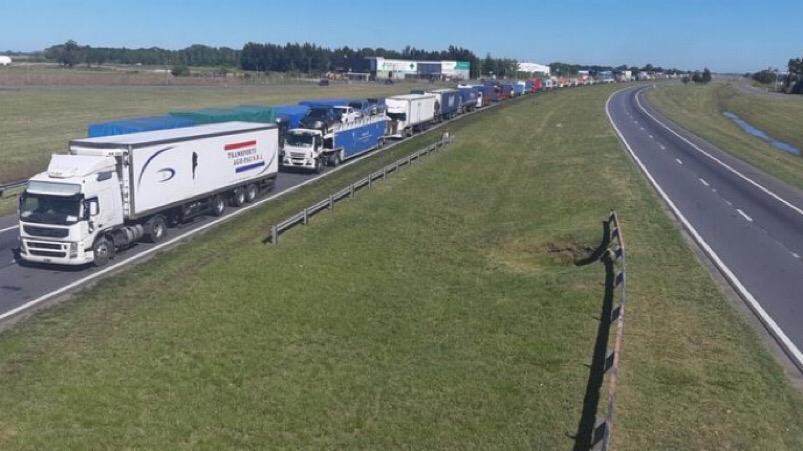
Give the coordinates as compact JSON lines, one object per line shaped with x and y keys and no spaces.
{"x":699,"y":109}
{"x":38,"y":121}
{"x":440,"y":310}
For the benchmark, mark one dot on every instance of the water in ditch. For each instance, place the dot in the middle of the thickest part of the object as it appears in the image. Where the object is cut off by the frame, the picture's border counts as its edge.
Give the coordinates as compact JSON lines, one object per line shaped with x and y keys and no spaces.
{"x":760,"y":134}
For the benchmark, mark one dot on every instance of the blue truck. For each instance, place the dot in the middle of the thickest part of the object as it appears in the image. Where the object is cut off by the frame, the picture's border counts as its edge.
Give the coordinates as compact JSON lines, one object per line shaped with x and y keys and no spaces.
{"x":313,"y":149}
{"x":469,"y":98}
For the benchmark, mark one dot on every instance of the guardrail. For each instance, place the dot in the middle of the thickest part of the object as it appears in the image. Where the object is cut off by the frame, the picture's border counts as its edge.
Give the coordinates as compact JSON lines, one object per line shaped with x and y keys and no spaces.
{"x":11,"y":187}
{"x":615,"y":260}
{"x":303,"y":216}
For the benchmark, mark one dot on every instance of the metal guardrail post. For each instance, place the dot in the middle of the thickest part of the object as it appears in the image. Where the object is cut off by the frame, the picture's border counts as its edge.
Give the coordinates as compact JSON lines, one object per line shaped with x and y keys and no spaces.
{"x":331,"y":202}
{"x":305,"y":219}
{"x":274,"y":235}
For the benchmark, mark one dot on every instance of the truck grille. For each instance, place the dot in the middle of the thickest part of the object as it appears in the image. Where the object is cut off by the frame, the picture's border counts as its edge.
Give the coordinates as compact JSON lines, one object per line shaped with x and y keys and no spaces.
{"x":36,"y":245}
{"x":298,"y":155}
{"x":47,"y":253}
{"x":50,"y":232}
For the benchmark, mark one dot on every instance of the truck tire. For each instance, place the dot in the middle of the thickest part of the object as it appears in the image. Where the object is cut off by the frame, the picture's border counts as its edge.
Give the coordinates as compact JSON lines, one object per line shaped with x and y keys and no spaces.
{"x":251,"y":192}
{"x":103,"y":251}
{"x":238,"y":197}
{"x":218,"y":205}
{"x":156,"y":229}
{"x":319,"y":164}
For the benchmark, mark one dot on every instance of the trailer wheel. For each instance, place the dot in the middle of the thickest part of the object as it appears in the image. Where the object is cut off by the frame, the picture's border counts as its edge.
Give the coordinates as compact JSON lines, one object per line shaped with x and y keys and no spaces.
{"x":102,"y":251}
{"x":156,"y":229}
{"x":238,"y":197}
{"x":251,"y":192}
{"x":218,"y":205}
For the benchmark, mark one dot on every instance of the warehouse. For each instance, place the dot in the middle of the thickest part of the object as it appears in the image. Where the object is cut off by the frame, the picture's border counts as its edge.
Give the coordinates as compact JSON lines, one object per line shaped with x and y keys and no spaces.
{"x":383,"y":68}
{"x":534,"y":68}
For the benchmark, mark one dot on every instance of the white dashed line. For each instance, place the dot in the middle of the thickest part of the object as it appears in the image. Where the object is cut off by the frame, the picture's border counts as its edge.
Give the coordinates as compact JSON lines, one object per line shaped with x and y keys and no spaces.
{"x":9,"y":228}
{"x":678,"y":160}
{"x":662,"y":146}
{"x":651,"y":137}
{"x":794,"y":254}
{"x":702,"y":180}
{"x":642,"y":128}
{"x":727,"y":201}
{"x":744,"y":215}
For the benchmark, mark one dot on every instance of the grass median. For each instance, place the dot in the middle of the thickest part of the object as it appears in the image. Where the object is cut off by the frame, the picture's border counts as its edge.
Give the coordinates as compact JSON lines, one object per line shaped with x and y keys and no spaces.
{"x":700,"y":110}
{"x":440,"y":310}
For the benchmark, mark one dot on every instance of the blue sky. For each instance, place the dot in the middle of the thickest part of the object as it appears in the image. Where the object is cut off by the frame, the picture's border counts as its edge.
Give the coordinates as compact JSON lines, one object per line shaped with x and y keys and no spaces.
{"x":727,"y":36}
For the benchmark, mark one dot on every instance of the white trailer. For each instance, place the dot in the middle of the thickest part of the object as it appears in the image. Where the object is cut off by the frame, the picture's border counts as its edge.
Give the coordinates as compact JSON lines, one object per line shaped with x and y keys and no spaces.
{"x":112,"y":191}
{"x":410,"y":113}
{"x":5,"y":60}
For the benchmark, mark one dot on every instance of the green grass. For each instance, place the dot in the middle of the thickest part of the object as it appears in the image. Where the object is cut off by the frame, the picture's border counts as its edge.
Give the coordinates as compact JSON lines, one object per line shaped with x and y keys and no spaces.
{"x":440,"y":310}
{"x":699,"y":109}
{"x":38,"y":121}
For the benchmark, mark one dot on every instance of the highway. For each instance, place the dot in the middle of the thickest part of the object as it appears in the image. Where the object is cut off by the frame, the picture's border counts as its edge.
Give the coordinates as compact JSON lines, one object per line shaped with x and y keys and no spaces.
{"x":23,"y":287}
{"x":749,"y":224}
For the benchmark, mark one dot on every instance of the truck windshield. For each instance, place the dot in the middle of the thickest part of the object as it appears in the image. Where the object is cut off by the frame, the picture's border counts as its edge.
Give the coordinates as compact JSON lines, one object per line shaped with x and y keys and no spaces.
{"x":319,"y":113}
{"x":300,"y":139}
{"x":47,"y":209}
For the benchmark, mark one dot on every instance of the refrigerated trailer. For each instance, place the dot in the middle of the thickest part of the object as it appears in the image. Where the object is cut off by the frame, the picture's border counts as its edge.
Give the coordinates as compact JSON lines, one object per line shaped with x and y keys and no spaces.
{"x":109,"y":192}
{"x":409,"y":113}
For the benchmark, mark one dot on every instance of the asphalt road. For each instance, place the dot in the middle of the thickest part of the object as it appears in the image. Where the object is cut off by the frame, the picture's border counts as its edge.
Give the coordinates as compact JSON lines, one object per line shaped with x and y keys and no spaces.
{"x":749,"y":224}
{"x":23,"y":287}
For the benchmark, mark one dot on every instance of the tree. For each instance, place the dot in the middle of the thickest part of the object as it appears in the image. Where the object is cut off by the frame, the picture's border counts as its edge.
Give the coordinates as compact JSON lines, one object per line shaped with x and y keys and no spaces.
{"x":706,"y":75}
{"x":765,"y":76}
{"x":180,"y":71}
{"x":697,"y":77}
{"x":685,"y":79}
{"x":488,"y":65}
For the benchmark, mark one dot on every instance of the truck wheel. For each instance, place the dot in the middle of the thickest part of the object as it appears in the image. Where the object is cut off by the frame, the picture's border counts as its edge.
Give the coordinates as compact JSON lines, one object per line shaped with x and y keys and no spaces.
{"x":218,"y":205}
{"x":319,"y":164}
{"x":238,"y":197}
{"x":102,"y":251}
{"x":251,"y":192}
{"x":156,"y":229}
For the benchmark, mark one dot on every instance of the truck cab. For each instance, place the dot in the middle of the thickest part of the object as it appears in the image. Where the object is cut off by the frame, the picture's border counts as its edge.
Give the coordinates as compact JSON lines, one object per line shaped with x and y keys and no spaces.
{"x":304,"y":148}
{"x":63,"y":209}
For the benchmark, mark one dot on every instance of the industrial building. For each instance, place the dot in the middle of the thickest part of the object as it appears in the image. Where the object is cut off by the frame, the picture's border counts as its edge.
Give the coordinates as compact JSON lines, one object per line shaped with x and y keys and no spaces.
{"x":534,"y":68}
{"x":382,"y":68}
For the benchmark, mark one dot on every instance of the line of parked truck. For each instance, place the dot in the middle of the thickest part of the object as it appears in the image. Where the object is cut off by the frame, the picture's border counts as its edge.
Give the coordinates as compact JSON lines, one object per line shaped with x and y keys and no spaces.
{"x":132,"y":179}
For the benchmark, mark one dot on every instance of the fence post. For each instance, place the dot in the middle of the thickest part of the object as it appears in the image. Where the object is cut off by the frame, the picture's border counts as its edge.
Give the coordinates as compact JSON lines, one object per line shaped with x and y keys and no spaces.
{"x":331,"y":201}
{"x":351,"y":190}
{"x":306,"y":216}
{"x":370,"y":176}
{"x":274,"y":234}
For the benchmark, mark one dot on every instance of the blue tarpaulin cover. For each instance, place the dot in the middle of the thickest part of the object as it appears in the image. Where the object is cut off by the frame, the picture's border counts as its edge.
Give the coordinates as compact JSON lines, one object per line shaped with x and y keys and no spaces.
{"x":137,"y":124}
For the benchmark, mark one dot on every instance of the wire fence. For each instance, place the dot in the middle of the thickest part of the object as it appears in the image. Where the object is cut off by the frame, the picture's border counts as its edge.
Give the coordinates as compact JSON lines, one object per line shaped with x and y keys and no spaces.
{"x":615,"y":259}
{"x":303,"y":216}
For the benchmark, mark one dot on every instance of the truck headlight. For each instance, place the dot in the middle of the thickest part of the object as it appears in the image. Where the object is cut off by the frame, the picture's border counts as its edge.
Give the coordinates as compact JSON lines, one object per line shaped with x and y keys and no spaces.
{"x":73,"y":249}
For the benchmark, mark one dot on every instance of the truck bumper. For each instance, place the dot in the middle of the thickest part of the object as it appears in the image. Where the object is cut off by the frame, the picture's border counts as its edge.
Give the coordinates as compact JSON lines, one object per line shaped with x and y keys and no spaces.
{"x":305,"y":163}
{"x":54,"y":252}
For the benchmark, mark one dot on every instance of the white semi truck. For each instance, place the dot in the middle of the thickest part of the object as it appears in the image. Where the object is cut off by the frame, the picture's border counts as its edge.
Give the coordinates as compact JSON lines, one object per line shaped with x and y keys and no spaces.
{"x":312,"y":149}
{"x":110,"y":192}
{"x":410,"y":113}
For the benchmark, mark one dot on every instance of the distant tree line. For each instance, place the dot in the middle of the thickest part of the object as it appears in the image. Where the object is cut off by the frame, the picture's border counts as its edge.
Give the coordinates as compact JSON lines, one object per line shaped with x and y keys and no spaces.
{"x":314,"y":59}
{"x":71,"y":54}
{"x":566,"y":69}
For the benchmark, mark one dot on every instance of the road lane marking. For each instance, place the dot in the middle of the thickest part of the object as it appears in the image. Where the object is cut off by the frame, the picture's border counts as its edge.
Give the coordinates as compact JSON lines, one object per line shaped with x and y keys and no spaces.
{"x":662,"y":146}
{"x":642,"y":128}
{"x":722,"y":163}
{"x":651,"y":137}
{"x":744,"y":215}
{"x":702,"y":180}
{"x":794,"y":254}
{"x":678,"y":160}
{"x":794,"y":353}
{"x":9,"y":228}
